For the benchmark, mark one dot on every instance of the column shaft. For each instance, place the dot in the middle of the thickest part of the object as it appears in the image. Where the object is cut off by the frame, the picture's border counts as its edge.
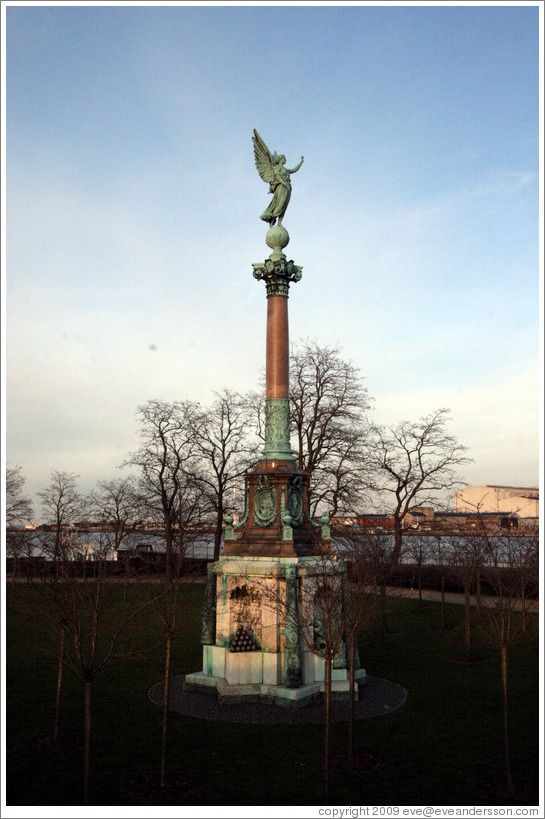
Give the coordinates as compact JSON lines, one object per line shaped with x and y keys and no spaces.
{"x":278,"y":345}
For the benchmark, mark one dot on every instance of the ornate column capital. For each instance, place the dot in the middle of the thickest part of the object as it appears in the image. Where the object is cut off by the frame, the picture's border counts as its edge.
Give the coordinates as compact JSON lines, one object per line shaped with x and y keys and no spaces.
{"x":277,"y":274}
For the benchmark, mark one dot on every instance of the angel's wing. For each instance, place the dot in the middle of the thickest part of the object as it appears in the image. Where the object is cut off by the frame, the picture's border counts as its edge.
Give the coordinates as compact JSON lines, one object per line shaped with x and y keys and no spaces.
{"x":263,"y":159}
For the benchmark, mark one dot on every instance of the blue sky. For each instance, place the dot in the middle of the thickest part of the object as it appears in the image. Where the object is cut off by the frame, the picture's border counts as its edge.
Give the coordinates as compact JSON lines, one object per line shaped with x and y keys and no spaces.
{"x":133,"y":212}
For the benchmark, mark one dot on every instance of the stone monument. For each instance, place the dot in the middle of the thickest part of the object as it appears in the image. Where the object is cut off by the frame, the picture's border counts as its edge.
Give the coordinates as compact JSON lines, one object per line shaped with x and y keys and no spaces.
{"x":260,"y":593}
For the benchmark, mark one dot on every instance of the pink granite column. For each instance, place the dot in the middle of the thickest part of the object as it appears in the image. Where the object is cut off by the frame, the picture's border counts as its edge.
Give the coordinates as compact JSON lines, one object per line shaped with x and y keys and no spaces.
{"x":278,"y":345}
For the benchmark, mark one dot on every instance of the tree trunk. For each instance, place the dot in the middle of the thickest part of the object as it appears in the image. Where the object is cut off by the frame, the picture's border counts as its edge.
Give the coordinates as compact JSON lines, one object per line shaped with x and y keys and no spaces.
{"x":327,"y":727}
{"x":58,"y":698}
{"x":442,"y":599}
{"x":13,"y":576}
{"x":352,"y":670}
{"x":467,"y":599}
{"x":218,"y":533}
{"x":420,"y":588}
{"x":126,"y":583}
{"x":507,"y":750}
{"x":398,"y":542}
{"x":166,"y":701}
{"x":88,"y":737}
{"x":523,"y":603}
{"x":383,"y":613}
{"x":168,"y":552}
{"x":478,"y":590}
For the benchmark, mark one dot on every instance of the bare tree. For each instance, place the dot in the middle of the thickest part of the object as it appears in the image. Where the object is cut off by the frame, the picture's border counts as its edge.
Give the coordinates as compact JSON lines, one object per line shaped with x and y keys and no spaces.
{"x":224,"y":452}
{"x":329,"y":628}
{"x":89,"y":626}
{"x":476,"y":547}
{"x":442,"y":551}
{"x":18,"y":506}
{"x":462,"y":569}
{"x":167,"y":451}
{"x":526,"y":550}
{"x":352,"y":543}
{"x":118,"y":507}
{"x":167,"y":606}
{"x":503,"y":624}
{"x":15,"y":548}
{"x":372,"y":551}
{"x":415,"y":464}
{"x":328,"y":406}
{"x":18,"y":511}
{"x":62,"y":504}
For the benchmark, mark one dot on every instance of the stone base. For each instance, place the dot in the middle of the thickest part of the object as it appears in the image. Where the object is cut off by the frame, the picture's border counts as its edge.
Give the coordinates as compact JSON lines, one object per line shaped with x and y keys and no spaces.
{"x":235,"y":694}
{"x":280,"y":695}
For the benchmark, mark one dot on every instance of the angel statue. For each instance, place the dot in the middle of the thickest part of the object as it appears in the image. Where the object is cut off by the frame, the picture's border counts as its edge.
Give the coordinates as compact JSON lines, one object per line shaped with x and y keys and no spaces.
{"x":271,"y":169}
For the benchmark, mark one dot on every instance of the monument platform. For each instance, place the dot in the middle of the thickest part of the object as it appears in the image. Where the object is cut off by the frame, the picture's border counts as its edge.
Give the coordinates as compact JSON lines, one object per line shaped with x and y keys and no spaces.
{"x":280,"y":695}
{"x":377,"y":697}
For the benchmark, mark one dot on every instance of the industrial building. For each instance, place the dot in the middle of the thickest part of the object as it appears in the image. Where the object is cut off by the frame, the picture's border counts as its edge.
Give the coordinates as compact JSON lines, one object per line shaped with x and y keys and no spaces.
{"x":522,"y":501}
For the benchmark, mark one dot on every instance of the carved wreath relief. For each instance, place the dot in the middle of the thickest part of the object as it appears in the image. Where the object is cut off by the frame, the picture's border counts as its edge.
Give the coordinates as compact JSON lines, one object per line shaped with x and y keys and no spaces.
{"x":265,"y":503}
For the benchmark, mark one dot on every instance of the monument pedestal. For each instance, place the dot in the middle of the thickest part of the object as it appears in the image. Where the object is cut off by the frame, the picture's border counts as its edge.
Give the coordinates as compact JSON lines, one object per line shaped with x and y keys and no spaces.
{"x":260,"y":625}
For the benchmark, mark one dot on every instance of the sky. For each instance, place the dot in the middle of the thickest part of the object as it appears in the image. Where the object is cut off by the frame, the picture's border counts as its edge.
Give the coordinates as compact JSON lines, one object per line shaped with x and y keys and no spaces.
{"x":133,"y":204}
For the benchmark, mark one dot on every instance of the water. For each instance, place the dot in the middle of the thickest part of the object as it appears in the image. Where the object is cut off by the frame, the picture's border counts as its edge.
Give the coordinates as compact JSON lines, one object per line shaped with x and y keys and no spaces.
{"x":201,"y":545}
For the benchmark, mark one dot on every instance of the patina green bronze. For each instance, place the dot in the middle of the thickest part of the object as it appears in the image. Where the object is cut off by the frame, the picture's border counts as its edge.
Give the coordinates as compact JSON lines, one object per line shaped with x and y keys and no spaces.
{"x":277,"y":430}
{"x":292,"y":676}
{"x":287,"y":529}
{"x":295,"y":500}
{"x":208,"y":629}
{"x":277,"y":274}
{"x":229,"y":528}
{"x":271,"y":169}
{"x":265,"y":503}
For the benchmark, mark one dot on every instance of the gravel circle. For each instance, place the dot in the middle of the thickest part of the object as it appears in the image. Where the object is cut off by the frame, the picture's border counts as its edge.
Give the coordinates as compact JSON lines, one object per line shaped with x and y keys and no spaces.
{"x":377,"y":697}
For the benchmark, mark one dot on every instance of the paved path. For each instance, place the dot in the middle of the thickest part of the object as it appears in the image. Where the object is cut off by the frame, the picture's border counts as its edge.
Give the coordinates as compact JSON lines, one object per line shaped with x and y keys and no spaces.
{"x":532,"y":606}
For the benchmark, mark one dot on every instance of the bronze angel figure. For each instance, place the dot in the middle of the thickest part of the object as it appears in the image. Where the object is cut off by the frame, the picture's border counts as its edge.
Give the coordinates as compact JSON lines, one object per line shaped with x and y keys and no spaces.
{"x":271,"y":169}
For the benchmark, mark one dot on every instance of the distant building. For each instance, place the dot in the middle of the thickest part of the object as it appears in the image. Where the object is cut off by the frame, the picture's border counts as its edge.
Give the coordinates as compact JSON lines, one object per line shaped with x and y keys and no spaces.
{"x":371,"y":522}
{"x":522,"y":501}
{"x":425,"y":519}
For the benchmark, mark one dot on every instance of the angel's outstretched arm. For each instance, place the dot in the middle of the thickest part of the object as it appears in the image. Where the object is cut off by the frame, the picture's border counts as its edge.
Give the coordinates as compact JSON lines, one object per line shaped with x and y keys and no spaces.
{"x":293,"y":170}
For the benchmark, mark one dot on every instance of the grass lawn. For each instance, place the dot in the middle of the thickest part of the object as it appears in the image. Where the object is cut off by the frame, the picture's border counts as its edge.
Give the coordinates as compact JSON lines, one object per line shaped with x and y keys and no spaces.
{"x":443,"y":747}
